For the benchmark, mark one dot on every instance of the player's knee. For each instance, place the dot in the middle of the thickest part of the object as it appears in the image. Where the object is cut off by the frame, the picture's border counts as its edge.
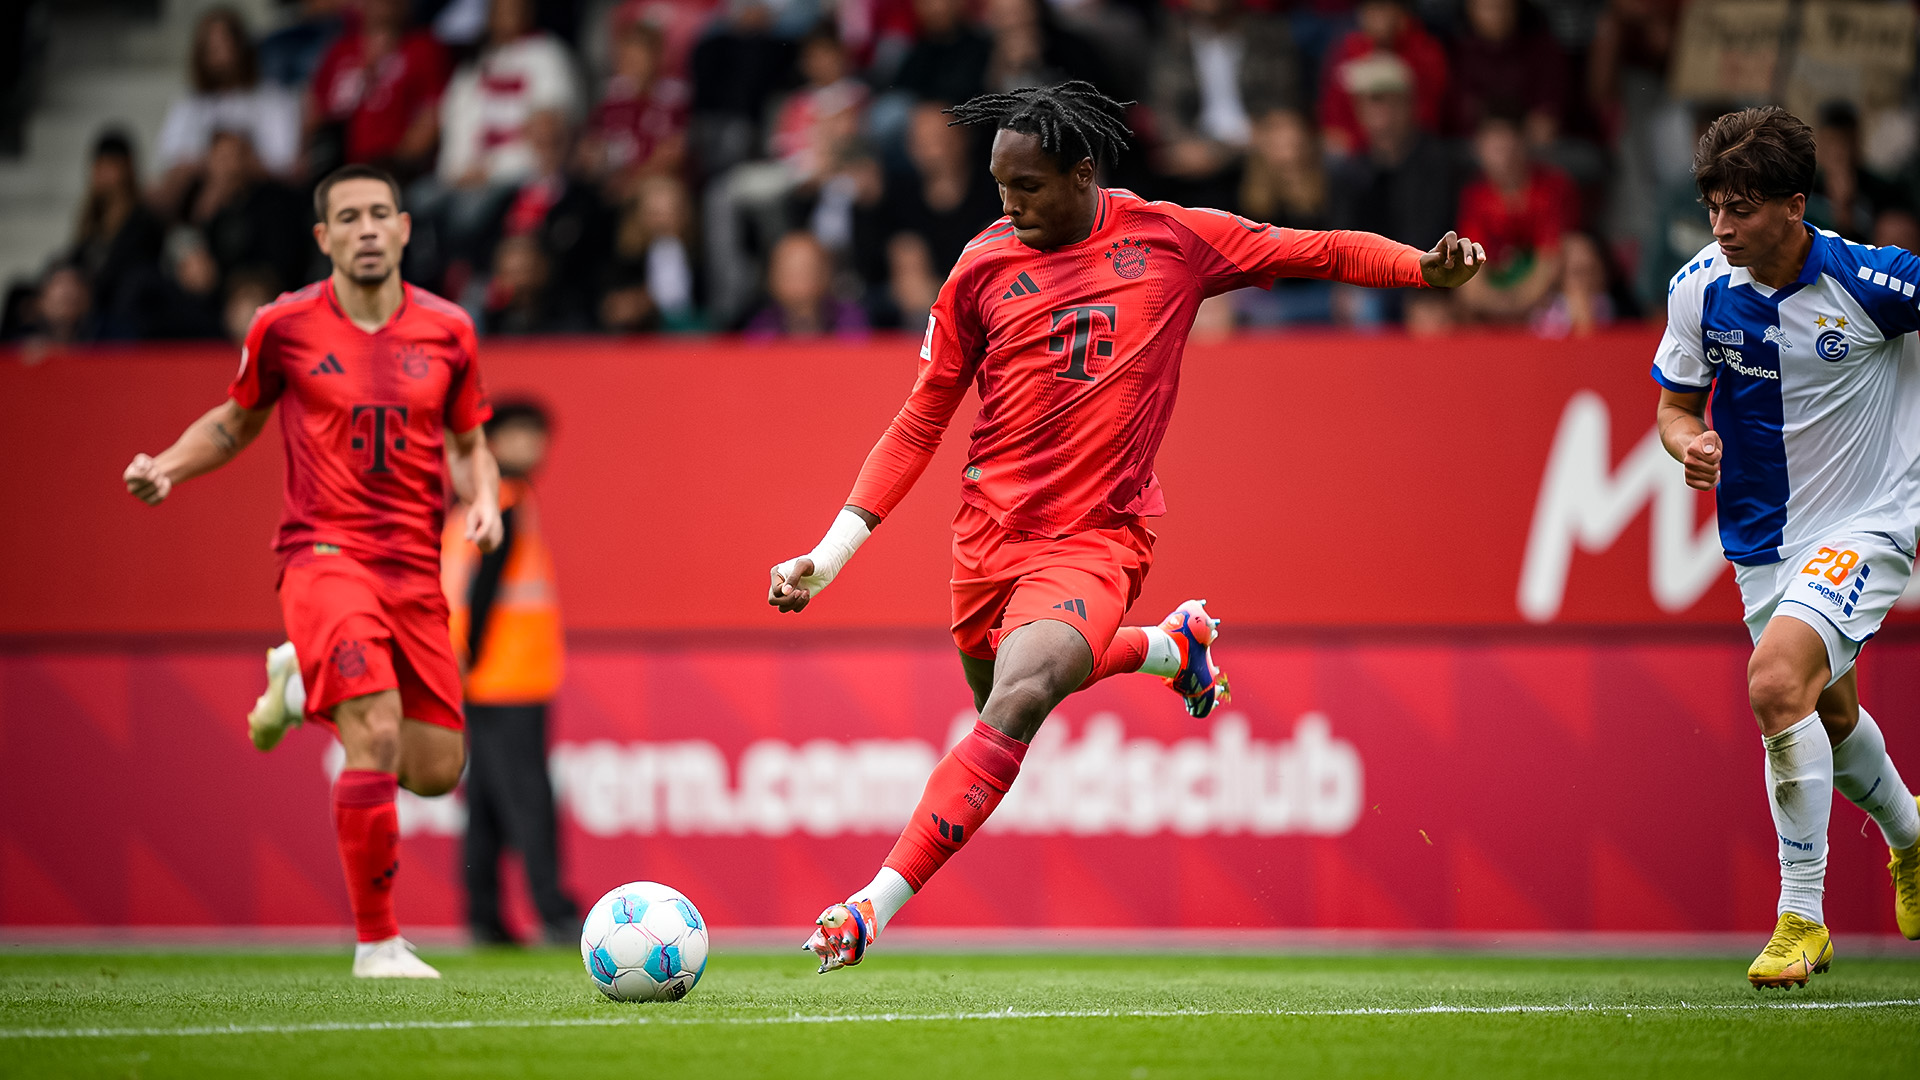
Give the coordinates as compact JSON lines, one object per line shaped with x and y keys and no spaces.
{"x":1019,"y":705}
{"x":434,"y":776}
{"x":1780,"y":695}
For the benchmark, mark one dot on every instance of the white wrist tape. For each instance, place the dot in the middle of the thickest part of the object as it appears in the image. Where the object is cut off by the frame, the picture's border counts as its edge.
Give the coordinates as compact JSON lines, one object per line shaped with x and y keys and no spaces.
{"x":830,"y":556}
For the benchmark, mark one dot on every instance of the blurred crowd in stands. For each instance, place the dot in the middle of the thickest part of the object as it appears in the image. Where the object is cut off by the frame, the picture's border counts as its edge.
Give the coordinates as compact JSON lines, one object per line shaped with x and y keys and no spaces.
{"x":782,"y":167}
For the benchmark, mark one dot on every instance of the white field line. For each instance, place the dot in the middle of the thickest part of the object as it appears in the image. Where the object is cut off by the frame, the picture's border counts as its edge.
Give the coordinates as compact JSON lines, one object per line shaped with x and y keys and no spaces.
{"x":913,"y":1018}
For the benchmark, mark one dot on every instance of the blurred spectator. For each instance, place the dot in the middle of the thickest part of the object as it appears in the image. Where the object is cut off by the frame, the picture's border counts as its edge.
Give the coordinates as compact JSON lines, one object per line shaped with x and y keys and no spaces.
{"x":376,"y":96}
{"x":484,"y":152}
{"x":799,"y":276}
{"x":60,"y":311}
{"x":117,"y":241}
{"x":227,"y":96}
{"x":1506,"y":59}
{"x":1627,"y":65}
{"x":1385,"y":26}
{"x":483,"y":117}
{"x":1847,"y":197}
{"x":192,"y":307}
{"x":736,"y":70}
{"x":1285,"y":183}
{"x":288,"y":55}
{"x":1401,"y":186}
{"x":640,"y":125}
{"x":912,"y":282}
{"x":948,"y":61}
{"x":1897,"y":228}
{"x":651,"y":278}
{"x":1518,"y":210}
{"x":815,"y":140}
{"x":946,"y":197}
{"x":518,"y":298}
{"x":565,"y":217}
{"x":507,"y":632}
{"x":247,"y":292}
{"x":1217,"y":66}
{"x":248,"y":218}
{"x":1031,"y":48}
{"x":1118,"y":32}
{"x":1582,"y":303}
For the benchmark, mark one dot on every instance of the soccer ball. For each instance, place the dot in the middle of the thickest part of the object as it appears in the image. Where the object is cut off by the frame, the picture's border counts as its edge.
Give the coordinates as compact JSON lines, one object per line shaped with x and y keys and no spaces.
{"x":644,"y":942}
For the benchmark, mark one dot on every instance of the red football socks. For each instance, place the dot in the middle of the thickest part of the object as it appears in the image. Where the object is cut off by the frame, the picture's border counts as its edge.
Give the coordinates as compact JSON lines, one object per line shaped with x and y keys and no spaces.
{"x":368,"y":829}
{"x":962,"y":792}
{"x":1123,"y":656}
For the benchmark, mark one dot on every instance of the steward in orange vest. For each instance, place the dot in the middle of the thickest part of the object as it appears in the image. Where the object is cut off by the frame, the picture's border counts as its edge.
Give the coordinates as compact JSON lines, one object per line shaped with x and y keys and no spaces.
{"x":507,"y":633}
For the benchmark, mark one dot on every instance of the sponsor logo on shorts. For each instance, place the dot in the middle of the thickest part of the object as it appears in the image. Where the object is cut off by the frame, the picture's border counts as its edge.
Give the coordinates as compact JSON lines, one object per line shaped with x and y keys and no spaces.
{"x":1072,"y":607}
{"x":350,"y":659}
{"x":1833,"y":596}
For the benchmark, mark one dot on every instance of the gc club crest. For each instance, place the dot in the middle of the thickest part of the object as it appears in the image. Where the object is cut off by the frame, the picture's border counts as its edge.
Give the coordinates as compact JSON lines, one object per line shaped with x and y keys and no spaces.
{"x":1129,"y":257}
{"x":413,"y":361}
{"x":1832,"y":346}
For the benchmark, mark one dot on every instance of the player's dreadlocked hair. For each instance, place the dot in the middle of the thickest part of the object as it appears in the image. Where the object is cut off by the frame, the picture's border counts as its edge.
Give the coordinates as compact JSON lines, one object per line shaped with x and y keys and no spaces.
{"x":1073,"y":120}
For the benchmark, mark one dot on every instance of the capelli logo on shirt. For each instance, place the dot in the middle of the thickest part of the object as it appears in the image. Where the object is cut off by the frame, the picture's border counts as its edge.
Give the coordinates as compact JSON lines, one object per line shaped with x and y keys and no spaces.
{"x":1727,"y":337}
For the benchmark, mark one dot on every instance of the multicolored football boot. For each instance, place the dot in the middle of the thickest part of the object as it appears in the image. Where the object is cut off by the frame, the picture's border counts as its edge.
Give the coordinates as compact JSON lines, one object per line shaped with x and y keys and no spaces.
{"x":842,"y":934}
{"x":1905,"y":868}
{"x":1800,"y":949}
{"x":271,"y":719}
{"x":1200,"y":681}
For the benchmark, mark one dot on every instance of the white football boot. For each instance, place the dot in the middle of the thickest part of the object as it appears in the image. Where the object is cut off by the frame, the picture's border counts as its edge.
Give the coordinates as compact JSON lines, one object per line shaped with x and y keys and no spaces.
{"x":390,"y":959}
{"x":273,"y":716}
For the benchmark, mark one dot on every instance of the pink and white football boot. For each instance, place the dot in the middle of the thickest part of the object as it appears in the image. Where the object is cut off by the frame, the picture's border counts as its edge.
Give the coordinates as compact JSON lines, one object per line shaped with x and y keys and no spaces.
{"x":842,"y":934}
{"x":1200,"y":682}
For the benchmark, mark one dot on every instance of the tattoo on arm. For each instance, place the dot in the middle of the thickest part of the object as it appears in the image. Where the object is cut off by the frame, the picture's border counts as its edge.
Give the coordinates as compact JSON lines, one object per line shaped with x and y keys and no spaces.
{"x":223,"y":438}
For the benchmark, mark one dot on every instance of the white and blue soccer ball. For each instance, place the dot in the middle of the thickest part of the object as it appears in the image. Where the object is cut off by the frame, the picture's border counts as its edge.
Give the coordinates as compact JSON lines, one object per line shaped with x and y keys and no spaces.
{"x":644,"y":942}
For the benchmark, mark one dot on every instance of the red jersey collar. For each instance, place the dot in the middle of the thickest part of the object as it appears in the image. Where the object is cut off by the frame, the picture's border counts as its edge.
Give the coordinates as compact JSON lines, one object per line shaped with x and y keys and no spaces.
{"x":333,"y":302}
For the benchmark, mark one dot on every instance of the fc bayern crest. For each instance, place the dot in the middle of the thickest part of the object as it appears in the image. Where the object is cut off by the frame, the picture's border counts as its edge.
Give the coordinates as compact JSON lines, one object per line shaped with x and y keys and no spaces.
{"x":1129,"y":257}
{"x":413,"y":361}
{"x":350,"y":659}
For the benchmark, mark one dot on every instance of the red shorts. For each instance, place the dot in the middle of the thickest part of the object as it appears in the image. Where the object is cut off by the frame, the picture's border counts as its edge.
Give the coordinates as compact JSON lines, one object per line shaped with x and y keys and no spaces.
{"x":1003,"y":580}
{"x":360,"y":631}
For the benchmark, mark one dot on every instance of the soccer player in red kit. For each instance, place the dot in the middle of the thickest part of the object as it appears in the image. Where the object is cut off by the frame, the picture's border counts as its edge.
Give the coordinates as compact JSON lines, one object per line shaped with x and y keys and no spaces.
{"x":1071,"y":315}
{"x":378,"y":384}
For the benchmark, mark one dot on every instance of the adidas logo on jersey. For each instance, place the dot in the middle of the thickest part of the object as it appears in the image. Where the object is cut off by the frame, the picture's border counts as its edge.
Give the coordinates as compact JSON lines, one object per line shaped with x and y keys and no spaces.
{"x":329,"y":366}
{"x":1022,"y":286}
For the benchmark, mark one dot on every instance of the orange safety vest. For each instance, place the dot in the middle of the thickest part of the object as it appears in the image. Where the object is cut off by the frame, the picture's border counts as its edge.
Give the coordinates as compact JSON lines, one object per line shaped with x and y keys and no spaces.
{"x":522,"y":655}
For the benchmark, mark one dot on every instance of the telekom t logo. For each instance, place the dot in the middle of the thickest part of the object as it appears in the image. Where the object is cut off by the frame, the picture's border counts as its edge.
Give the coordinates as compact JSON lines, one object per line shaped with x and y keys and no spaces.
{"x":376,"y":429}
{"x":1075,"y":342}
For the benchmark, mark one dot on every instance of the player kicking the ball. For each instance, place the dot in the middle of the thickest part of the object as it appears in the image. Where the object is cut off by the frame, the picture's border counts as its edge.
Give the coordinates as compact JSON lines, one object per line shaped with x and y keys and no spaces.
{"x":1798,"y":336}
{"x":1071,"y":314}
{"x":374,"y":378}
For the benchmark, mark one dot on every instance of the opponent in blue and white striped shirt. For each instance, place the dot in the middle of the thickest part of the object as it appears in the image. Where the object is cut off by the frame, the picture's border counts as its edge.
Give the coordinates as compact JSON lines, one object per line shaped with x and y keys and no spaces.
{"x":1804,"y":343}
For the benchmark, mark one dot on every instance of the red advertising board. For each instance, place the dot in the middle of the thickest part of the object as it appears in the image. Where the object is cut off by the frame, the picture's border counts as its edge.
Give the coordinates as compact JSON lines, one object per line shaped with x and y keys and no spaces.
{"x":1487,"y":659}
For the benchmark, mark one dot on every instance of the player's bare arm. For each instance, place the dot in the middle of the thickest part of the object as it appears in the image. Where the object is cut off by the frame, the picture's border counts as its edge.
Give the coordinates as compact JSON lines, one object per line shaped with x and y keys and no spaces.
{"x":1452,"y":262}
{"x":1684,"y":432}
{"x":476,"y":480}
{"x":208,"y":443}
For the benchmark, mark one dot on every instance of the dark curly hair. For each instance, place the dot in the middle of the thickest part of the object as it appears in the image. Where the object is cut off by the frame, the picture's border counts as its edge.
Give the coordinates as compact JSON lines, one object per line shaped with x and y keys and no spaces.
{"x":1073,"y":120}
{"x":1761,"y":153}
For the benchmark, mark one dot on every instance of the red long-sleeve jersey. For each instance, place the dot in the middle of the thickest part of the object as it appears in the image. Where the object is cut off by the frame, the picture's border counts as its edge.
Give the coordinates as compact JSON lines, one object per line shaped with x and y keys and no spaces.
{"x":1076,"y":352}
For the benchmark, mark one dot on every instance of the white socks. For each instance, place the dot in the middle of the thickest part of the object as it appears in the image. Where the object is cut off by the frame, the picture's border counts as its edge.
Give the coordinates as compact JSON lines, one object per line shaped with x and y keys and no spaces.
{"x":1163,"y":654}
{"x":889,"y":893}
{"x":1800,"y":791}
{"x":1864,"y":773}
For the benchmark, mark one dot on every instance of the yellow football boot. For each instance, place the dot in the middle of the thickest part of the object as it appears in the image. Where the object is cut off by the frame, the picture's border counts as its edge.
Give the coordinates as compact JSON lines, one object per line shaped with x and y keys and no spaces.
{"x":1905,"y":869}
{"x":1800,"y":948}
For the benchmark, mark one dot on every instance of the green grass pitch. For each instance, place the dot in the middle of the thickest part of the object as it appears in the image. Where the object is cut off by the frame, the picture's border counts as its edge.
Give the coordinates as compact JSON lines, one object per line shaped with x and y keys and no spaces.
{"x":926,"y":1016}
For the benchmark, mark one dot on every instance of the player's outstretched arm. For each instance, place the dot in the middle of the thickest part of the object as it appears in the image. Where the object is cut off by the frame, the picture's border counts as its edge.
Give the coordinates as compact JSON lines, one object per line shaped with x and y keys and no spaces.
{"x":1452,"y":262}
{"x":208,"y":443}
{"x":797,"y":580}
{"x":476,"y":480}
{"x":1684,"y":432}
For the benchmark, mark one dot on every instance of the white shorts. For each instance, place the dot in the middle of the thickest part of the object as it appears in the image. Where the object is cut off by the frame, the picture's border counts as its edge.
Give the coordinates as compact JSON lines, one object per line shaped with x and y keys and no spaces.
{"x":1842,"y":586}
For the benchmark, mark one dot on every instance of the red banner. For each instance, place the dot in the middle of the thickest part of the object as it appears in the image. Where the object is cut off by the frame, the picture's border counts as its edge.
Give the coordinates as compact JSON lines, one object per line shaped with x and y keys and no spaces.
{"x":1312,"y":480}
{"x":1474,"y":783}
